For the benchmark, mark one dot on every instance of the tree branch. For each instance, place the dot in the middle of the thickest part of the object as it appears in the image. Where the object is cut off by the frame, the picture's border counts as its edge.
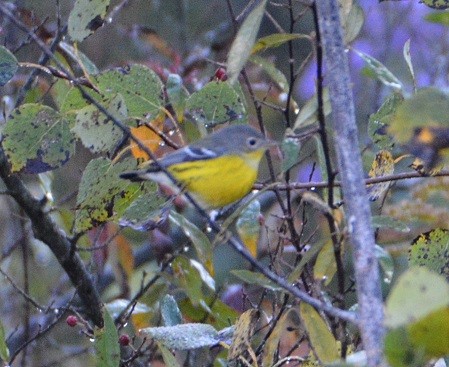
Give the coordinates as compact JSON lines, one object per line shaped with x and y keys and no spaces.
{"x":350,"y":164}
{"x":45,"y":230}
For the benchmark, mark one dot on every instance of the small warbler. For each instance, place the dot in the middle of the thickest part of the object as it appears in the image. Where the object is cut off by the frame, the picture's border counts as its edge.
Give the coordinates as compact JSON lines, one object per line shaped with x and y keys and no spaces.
{"x":216,"y":171}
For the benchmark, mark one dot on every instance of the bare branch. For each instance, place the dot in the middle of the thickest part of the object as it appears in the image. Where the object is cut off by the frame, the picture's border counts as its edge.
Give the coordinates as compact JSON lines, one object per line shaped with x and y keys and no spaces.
{"x":356,"y":200}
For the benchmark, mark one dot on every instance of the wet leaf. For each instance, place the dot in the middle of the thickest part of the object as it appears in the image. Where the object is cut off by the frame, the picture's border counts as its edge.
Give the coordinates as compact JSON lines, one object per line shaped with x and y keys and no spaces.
{"x":416,"y":293}
{"x":86,"y":17}
{"x":140,"y":87}
{"x":170,"y":313}
{"x":244,"y":41}
{"x":379,"y":121}
{"x":308,"y":114}
{"x":383,"y":165}
{"x":96,"y":131}
{"x":244,"y":330}
{"x":437,"y":4}
{"x":199,"y":240}
{"x":384,"y":221}
{"x":325,"y":266}
{"x":216,"y":103}
{"x":169,"y":358}
{"x":431,"y":250}
{"x":8,"y":65}
{"x":184,"y":336}
{"x":426,"y":109}
{"x":106,"y":343}
{"x":248,"y":226}
{"x":323,"y":342}
{"x":102,"y":195}
{"x":37,"y":139}
{"x":4,"y":350}
{"x":380,"y":71}
{"x":145,"y":211}
{"x":275,"y":40}
{"x":290,"y":152}
{"x":177,"y":95}
{"x":272,"y":71}
{"x":259,"y":279}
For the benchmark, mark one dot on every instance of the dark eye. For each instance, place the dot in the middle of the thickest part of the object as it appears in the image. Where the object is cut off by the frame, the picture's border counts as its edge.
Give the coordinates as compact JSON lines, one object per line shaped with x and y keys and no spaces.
{"x":251,"y":142}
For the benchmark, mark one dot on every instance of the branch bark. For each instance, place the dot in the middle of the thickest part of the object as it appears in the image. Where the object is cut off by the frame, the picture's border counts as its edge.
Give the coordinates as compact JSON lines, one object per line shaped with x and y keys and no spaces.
{"x":350,"y":168}
{"x":46,"y":230}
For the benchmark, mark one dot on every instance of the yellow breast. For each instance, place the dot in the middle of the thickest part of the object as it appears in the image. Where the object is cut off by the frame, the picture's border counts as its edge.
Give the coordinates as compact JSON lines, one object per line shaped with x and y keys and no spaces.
{"x":217,"y":182}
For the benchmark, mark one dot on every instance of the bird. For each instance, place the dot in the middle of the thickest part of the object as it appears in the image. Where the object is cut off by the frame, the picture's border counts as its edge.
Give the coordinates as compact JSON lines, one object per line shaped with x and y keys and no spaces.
{"x":216,"y":171}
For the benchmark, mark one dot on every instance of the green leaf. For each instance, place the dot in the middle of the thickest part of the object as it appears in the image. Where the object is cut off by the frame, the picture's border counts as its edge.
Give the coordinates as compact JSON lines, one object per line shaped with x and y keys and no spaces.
{"x":106,"y":343}
{"x":140,"y":87}
{"x":421,"y":341}
{"x":216,"y":103}
{"x":102,"y":195}
{"x":290,"y":152}
{"x":79,"y":58}
{"x":170,"y":313}
{"x":383,"y":165}
{"x":145,"y":212}
{"x":188,"y":278}
{"x":416,"y":293}
{"x":199,"y":240}
{"x":399,"y":350}
{"x":243,"y":332}
{"x":431,"y":333}
{"x":352,"y":23}
{"x":4,"y":351}
{"x":308,"y":114}
{"x":8,"y":65}
{"x":379,"y":121}
{"x":184,"y":336}
{"x":272,"y":71}
{"x":37,"y":139}
{"x":96,"y":131}
{"x":259,"y":279}
{"x":386,"y":263}
{"x":436,"y":4}
{"x":86,"y":17}
{"x":116,"y":306}
{"x":325,"y":266}
{"x":271,"y":349}
{"x":177,"y":95}
{"x":169,"y":359}
{"x":380,"y":71}
{"x":307,"y":257}
{"x":441,"y":17}
{"x":431,"y":250}
{"x":69,"y":99}
{"x":275,"y":40}
{"x":217,"y":313}
{"x":429,"y":107}
{"x":248,"y":226}
{"x":244,"y":41}
{"x":384,"y":221}
{"x":323,"y":342}
{"x":408,"y":60}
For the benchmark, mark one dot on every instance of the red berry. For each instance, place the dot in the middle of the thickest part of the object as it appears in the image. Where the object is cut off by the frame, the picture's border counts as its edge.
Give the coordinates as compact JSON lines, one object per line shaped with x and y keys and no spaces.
{"x":220,"y":74}
{"x":71,"y":320}
{"x":124,"y":340}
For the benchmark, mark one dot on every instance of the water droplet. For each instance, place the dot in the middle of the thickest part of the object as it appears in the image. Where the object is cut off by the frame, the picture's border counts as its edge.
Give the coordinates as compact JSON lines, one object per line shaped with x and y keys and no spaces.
{"x":186,"y":248}
{"x":208,"y":229}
